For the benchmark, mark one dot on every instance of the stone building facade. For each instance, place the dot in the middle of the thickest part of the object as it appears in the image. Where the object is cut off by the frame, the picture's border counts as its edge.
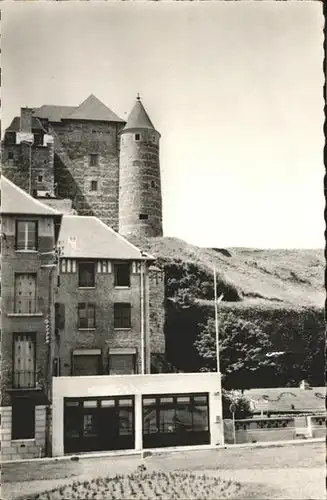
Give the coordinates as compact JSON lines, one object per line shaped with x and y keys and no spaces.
{"x":102,"y":302}
{"x":98,"y":163}
{"x":80,"y":310}
{"x":28,"y":274}
{"x":107,"y":167}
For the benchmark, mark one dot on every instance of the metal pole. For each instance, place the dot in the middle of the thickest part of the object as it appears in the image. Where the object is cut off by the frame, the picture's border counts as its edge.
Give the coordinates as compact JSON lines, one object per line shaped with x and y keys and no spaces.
{"x":142,"y":318}
{"x":234,"y":433}
{"x":30,"y":171}
{"x":49,"y":367}
{"x":216,"y":319}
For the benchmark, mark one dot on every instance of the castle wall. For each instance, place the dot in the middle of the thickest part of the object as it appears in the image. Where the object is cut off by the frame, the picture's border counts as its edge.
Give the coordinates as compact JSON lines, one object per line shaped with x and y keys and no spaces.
{"x":75,"y":142}
{"x":140,"y":185}
{"x":16,"y":166}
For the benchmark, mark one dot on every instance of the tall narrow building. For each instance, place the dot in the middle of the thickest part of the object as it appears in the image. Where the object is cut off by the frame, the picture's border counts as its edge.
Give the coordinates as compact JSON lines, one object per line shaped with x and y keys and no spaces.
{"x":140,"y":200}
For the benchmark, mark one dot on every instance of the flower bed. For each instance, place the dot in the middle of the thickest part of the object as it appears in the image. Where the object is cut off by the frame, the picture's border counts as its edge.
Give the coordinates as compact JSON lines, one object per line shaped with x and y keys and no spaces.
{"x":145,"y":486}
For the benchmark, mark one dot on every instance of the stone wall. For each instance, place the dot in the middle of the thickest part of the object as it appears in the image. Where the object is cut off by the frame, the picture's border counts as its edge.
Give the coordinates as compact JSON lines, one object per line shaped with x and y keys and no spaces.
{"x":104,"y":335}
{"x":22,"y":448}
{"x":24,"y":262}
{"x":74,"y":143}
{"x":17,"y":169}
{"x":140,"y":185}
{"x":157,"y":310}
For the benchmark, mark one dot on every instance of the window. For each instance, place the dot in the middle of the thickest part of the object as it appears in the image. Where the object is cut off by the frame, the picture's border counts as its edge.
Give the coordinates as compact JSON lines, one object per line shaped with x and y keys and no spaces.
{"x":26,"y":235}
{"x":87,"y":362}
{"x":94,"y":159}
{"x":122,"y":274}
{"x":153,"y":139}
{"x":25,"y":293}
{"x":23,"y":419}
{"x":94,"y":185}
{"x":137,"y":137}
{"x":10,"y":155}
{"x":24,"y":361}
{"x":153,"y":184}
{"x":86,"y":275}
{"x":143,"y":216}
{"x":86,"y":315}
{"x":121,"y":364}
{"x":122,"y":315}
{"x":40,"y":178}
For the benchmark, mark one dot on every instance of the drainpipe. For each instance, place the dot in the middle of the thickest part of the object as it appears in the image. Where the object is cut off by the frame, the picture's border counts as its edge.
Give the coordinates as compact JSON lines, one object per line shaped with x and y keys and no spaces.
{"x":48,"y":341}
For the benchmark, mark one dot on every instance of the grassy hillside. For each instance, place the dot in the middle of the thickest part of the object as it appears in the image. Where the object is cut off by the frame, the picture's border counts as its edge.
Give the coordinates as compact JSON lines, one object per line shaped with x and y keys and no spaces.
{"x":257,"y":278}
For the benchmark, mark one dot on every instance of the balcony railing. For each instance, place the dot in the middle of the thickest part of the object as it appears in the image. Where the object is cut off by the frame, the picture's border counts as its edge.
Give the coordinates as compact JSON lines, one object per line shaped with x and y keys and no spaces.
{"x":25,"y":305}
{"x":24,"y":379}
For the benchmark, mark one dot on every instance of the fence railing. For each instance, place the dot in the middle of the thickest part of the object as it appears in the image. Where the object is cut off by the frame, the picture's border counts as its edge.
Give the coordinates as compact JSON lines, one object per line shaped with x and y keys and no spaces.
{"x":274,"y":429}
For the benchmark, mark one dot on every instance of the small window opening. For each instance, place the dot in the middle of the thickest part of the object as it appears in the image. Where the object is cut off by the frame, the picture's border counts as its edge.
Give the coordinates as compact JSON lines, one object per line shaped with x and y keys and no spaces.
{"x":40,"y":178}
{"x":143,"y":216}
{"x":94,"y":185}
{"x":137,"y":137}
{"x":94,"y":159}
{"x":153,"y":184}
{"x":10,"y":155}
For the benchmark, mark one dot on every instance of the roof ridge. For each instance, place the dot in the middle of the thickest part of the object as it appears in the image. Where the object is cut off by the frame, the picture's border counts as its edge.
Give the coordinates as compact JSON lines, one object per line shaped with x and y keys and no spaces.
{"x":124,"y":239}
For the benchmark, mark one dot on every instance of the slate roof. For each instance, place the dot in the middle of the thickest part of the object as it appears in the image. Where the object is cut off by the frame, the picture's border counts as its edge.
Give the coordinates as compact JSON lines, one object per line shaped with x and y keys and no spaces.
{"x":139,"y":118}
{"x":88,"y":237}
{"x":15,"y":124}
{"x":280,"y":400}
{"x":15,"y":200}
{"x":94,"y":110}
{"x":53,"y":113}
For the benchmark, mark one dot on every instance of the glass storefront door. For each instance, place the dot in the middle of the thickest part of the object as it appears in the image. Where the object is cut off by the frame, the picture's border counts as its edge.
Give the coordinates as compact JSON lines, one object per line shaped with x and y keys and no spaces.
{"x":98,"y":424}
{"x":175,"y":420}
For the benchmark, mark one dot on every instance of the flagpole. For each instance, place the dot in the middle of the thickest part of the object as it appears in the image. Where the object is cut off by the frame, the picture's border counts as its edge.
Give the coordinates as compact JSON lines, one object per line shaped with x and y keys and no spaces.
{"x":216,"y":319}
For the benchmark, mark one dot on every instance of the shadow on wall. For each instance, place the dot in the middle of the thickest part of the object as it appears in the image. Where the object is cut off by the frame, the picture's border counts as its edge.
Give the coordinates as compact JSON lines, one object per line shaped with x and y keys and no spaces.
{"x":67,"y":188}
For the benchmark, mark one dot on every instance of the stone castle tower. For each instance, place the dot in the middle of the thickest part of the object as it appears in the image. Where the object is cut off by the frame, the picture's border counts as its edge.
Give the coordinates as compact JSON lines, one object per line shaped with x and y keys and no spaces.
{"x":140,"y":202}
{"x":89,"y":159}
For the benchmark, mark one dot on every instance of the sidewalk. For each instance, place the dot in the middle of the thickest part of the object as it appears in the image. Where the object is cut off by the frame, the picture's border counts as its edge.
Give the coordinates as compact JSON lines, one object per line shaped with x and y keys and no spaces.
{"x":164,"y":451}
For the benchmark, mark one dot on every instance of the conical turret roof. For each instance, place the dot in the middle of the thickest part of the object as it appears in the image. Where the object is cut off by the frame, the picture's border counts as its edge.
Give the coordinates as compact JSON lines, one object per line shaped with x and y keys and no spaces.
{"x":138,"y":117}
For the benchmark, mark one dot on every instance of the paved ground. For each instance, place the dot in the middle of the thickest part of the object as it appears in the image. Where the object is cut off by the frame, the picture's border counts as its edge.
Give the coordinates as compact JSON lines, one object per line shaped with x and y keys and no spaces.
{"x":279,"y":472}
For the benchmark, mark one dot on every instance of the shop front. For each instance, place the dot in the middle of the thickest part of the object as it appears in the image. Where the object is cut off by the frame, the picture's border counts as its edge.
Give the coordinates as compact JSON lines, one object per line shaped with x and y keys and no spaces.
{"x":135,"y":412}
{"x":97,"y":424}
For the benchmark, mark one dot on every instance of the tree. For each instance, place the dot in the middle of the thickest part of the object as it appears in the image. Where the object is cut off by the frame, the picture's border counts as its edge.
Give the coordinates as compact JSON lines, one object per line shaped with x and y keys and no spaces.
{"x":242,"y":404}
{"x":242,"y":346}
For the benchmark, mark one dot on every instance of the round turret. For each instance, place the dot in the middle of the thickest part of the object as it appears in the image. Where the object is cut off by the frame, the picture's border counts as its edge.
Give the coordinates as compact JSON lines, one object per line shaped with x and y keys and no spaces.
{"x":140,"y":201}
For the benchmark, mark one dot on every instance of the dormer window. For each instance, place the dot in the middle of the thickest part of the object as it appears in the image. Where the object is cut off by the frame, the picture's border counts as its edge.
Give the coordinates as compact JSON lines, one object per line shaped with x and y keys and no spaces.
{"x":137,"y":137}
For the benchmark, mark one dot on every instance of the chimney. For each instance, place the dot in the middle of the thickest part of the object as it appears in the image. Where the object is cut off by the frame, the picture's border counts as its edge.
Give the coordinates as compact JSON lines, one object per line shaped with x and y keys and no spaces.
{"x":26,"y":119}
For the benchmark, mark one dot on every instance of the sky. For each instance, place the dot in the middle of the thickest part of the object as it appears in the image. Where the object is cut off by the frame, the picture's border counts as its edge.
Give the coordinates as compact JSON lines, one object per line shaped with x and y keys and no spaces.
{"x":234,"y":88}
